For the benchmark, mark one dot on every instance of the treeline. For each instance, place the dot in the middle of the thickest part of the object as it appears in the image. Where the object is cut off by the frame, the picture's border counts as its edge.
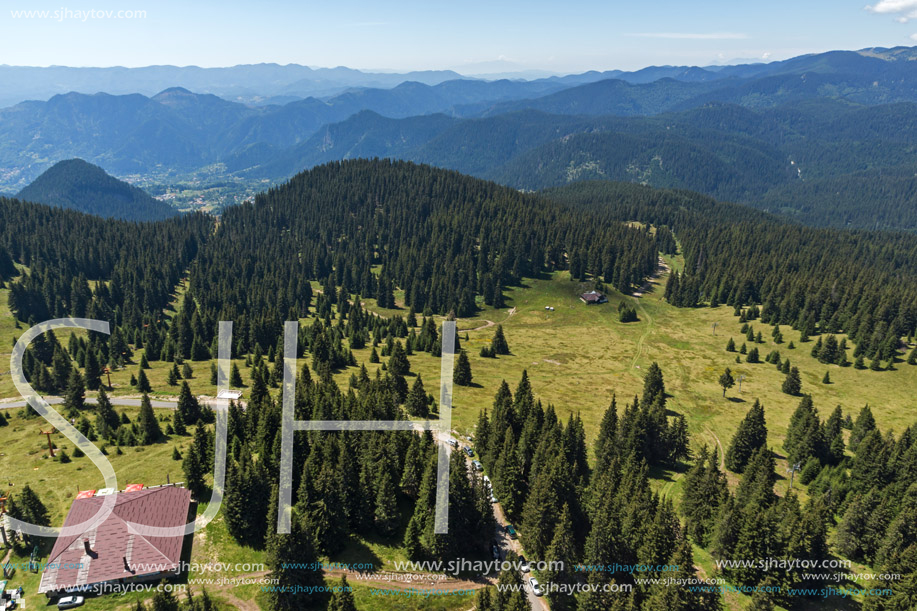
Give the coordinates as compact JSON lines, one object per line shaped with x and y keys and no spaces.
{"x":374,"y":227}
{"x":860,"y":283}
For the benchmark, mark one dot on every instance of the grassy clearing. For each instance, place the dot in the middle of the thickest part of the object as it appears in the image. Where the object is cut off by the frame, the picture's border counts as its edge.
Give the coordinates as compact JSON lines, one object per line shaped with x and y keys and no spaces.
{"x":578,"y":357}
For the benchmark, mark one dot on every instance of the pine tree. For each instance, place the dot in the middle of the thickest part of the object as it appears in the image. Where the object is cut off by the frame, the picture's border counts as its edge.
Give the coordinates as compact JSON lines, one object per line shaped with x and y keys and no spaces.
{"x":143,"y":383}
{"x":730,"y":345}
{"x":498,"y":344}
{"x":751,"y":435}
{"x":462,"y":375}
{"x":826,"y":379}
{"x":176,"y":455}
{"x":213,"y":374}
{"x":727,"y":381}
{"x":147,"y":423}
{"x":186,"y":371}
{"x":912,"y":357}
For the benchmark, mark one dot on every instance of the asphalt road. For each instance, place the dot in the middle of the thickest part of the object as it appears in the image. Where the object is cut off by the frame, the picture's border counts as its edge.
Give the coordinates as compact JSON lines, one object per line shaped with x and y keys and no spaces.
{"x":114,"y":401}
{"x":504,"y":542}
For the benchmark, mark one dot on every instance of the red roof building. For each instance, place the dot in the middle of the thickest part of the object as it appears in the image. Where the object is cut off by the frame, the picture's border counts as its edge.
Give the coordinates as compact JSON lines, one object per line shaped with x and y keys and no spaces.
{"x":113,"y":553}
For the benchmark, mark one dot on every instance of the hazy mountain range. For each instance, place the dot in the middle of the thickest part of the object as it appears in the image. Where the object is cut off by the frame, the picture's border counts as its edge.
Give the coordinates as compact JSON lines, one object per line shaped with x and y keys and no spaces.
{"x":763,"y":134}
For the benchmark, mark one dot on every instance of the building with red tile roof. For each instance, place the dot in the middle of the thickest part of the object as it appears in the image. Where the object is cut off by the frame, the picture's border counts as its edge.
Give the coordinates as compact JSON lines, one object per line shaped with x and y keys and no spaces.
{"x":112,"y":552}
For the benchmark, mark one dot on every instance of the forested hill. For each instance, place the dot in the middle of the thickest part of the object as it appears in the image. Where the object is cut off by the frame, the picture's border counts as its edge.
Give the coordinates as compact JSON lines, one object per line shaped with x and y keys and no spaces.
{"x":370,"y":226}
{"x":64,"y":250}
{"x":863,"y":283}
{"x":82,"y":186}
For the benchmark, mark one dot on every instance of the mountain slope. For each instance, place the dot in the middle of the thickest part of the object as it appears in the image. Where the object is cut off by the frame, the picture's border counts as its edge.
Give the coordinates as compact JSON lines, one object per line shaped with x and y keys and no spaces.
{"x":82,"y":186}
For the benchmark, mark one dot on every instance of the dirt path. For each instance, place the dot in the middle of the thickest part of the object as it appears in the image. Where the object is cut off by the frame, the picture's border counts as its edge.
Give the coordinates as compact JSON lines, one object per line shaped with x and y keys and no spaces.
{"x":488,"y":323}
{"x":722,"y":452}
{"x":650,"y":325}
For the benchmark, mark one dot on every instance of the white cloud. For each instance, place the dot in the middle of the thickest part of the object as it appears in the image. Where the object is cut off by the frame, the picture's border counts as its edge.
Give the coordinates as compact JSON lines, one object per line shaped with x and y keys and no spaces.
{"x":904,"y":10}
{"x":766,"y":55}
{"x":913,"y":36}
{"x":693,"y":36}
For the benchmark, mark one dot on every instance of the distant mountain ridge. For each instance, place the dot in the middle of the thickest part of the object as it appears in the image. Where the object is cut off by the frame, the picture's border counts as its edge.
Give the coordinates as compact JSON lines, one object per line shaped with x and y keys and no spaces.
{"x":78,"y":185}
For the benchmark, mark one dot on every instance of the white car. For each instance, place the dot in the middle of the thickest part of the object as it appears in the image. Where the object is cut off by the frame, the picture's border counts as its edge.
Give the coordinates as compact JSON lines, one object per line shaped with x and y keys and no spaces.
{"x":69,"y":602}
{"x":536,"y":587}
{"x":452,"y":442}
{"x":524,"y":565}
{"x":493,"y":499}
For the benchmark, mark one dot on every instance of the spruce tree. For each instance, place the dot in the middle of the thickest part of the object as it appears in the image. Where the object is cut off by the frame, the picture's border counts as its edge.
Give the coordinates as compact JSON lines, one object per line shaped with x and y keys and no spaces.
{"x":194,"y":462}
{"x":147,"y":423}
{"x":751,"y":435}
{"x":826,"y":379}
{"x":730,"y":345}
{"x":342,"y":599}
{"x":563,"y":551}
{"x":235,"y":378}
{"x":792,"y":385}
{"x":93,"y":370}
{"x":178,"y":423}
{"x":186,"y":371}
{"x":462,"y":375}
{"x":294,"y":588}
{"x":188,"y":405}
{"x":416,"y":402}
{"x":727,"y":381}
{"x":75,"y":397}
{"x":143,"y":383}
{"x":386,"y":505}
{"x":173,"y":376}
{"x":498,"y":344}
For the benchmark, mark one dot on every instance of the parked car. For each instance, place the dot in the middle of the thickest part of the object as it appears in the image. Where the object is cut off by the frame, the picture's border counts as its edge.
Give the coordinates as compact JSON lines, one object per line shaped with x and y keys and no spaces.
{"x":452,"y":442}
{"x":511,"y":531}
{"x":487,"y":482}
{"x":536,"y":587}
{"x":69,"y":602}
{"x":477,"y":465}
{"x":493,"y":499}
{"x":524,"y":565}
{"x":469,"y":451}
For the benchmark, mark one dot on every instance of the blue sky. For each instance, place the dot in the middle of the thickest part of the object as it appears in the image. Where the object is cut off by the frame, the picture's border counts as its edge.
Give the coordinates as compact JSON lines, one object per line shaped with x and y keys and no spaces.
{"x":471,"y":36}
